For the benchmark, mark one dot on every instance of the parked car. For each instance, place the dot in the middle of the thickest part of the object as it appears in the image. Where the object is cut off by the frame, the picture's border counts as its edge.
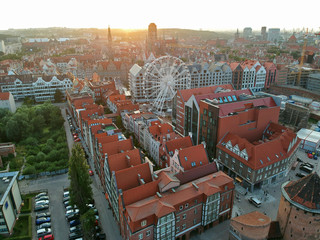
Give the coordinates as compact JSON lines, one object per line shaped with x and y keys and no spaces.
{"x":43,"y":231}
{"x":71,"y":208}
{"x":301,"y":175}
{"x":100,"y":236}
{"x":72,"y":217}
{"x":44,"y":214}
{"x":77,"y":140}
{"x":41,"y":198}
{"x":44,"y":225}
{"x":255,"y":201}
{"x":75,"y":235}
{"x":306,"y":169}
{"x":308,"y":165}
{"x":310,"y":155}
{"x":72,"y":211}
{"x":43,"y":220}
{"x":66,"y":199}
{"x":42,"y":202}
{"x":41,"y":207}
{"x":41,"y":194}
{"x":75,"y":229}
{"x":91,"y":173}
{"x":315,"y":157}
{"x":66,"y":203}
{"x":47,"y":237}
{"x":75,"y":222}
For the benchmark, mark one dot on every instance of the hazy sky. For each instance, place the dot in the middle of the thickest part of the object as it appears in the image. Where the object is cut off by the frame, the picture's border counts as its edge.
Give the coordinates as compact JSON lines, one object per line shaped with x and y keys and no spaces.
{"x":131,"y":14}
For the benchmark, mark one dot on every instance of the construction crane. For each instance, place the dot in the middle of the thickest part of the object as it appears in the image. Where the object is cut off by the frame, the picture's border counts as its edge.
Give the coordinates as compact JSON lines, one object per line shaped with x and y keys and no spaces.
{"x":302,"y":58}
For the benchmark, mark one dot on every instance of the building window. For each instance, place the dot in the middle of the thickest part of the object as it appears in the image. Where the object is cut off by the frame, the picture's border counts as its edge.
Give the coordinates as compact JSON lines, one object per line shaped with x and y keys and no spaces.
{"x":178,"y":219}
{"x":148,"y":233}
{"x":194,"y":221}
{"x":178,"y":229}
{"x":195,"y":201}
{"x":184,"y":226}
{"x":141,"y":236}
{"x":184,"y":216}
{"x":181,"y":207}
{"x":195,"y":211}
{"x":143,"y":223}
{"x":187,"y":205}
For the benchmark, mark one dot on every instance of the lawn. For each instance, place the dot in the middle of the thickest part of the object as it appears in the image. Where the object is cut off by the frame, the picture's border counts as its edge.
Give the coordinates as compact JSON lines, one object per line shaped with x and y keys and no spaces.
{"x":22,"y":227}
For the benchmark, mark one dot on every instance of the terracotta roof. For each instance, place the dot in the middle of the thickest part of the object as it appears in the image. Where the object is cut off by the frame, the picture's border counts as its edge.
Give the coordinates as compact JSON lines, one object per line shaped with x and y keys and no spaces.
{"x":195,"y":173}
{"x":115,"y":98}
{"x":117,"y":147}
{"x":231,"y":107}
{"x":170,"y":201}
{"x":129,"y":177}
{"x":273,"y":148}
{"x":305,"y":191}
{"x":159,"y":129}
{"x":193,"y":156}
{"x":187,"y":93}
{"x":4,"y":96}
{"x":179,"y":143}
{"x":107,"y":139}
{"x":124,"y":160}
{"x":254,"y":219}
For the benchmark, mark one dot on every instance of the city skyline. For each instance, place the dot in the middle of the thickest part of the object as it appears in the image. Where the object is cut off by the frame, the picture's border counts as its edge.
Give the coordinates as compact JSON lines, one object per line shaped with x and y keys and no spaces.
{"x":205,"y":15}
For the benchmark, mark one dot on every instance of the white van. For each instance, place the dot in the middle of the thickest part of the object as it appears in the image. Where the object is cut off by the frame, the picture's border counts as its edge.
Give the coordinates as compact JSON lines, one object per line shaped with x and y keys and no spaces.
{"x":255,"y":201}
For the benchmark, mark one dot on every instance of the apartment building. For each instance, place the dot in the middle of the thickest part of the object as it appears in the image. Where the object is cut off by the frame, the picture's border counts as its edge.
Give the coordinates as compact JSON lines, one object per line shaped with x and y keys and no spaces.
{"x":7,"y":101}
{"x":10,"y":203}
{"x":262,"y":161}
{"x":242,"y":114}
{"x":41,"y":88}
{"x":172,"y":206}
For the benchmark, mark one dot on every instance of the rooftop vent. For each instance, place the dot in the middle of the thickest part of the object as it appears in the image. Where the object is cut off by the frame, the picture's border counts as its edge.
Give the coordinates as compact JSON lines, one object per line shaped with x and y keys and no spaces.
{"x":159,"y":195}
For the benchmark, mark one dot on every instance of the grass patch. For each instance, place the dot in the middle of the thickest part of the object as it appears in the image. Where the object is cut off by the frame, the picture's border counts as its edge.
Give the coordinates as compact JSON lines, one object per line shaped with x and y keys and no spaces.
{"x":23,"y":229}
{"x":27,"y":205}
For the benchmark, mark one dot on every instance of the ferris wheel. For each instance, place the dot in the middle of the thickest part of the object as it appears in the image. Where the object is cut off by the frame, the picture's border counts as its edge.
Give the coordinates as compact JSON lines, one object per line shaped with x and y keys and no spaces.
{"x":162,"y":78}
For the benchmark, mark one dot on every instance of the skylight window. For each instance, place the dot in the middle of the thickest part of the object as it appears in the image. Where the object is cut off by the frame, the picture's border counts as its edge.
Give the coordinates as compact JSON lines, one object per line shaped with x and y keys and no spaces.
{"x":234,"y":97}
{"x":185,"y":158}
{"x":229,"y":98}
{"x":261,"y":161}
{"x":193,"y":164}
{"x":268,"y":159}
{"x":225,"y":99}
{"x":200,"y":163}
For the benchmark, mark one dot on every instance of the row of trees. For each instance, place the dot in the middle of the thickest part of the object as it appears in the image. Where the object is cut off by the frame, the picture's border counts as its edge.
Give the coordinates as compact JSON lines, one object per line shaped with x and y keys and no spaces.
{"x":80,"y":189}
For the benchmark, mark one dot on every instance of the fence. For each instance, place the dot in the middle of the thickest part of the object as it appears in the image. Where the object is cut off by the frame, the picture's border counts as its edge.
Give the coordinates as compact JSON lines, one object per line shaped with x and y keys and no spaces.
{"x":43,"y":174}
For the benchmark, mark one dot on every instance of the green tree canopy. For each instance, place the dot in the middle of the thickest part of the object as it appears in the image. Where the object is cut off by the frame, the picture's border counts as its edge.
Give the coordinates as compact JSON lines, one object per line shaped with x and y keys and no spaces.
{"x":80,"y":188}
{"x":87,"y":222}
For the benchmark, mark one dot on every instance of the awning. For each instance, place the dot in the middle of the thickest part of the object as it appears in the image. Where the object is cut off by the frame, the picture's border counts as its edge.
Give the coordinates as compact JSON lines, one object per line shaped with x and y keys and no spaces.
{"x":239,"y":179}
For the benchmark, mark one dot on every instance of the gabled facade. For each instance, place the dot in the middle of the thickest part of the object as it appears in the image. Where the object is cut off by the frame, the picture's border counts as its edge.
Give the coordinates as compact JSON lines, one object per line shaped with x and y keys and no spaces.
{"x":261,"y":162}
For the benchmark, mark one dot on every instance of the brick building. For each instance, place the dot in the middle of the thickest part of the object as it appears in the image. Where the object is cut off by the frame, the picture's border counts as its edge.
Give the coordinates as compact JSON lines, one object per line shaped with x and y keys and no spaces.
{"x":254,"y":226}
{"x":173,"y":206}
{"x":244,"y":114}
{"x":261,"y":161}
{"x":299,"y":208}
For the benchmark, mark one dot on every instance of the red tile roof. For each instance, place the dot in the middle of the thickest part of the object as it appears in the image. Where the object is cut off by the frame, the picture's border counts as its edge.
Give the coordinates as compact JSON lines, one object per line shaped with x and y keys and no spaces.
{"x":129,"y":177}
{"x":266,"y":152}
{"x":170,"y":201}
{"x":253,"y":219}
{"x":192,"y":157}
{"x":4,"y":96}
{"x":179,"y":143}
{"x":305,"y":191}
{"x":116,"y":147}
{"x":232,"y":107}
{"x":187,"y":93}
{"x":104,"y":138}
{"x":124,"y":160}
{"x":159,"y":129}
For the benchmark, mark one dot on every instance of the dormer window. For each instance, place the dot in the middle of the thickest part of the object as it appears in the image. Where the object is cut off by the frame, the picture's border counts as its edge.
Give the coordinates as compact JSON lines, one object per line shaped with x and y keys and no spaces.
{"x":143,"y":223}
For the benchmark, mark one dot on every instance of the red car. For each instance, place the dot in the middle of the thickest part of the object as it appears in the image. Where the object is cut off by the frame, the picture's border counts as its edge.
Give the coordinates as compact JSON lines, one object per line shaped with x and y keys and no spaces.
{"x":90,"y":172}
{"x":47,"y":237}
{"x":75,"y":135}
{"x":310,"y":155}
{"x":77,"y":140}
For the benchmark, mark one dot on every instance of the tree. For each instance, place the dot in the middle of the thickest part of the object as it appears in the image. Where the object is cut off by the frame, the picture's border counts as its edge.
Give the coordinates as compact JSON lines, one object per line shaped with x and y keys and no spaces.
{"x":58,"y":96}
{"x":80,"y":188}
{"x":87,"y":222}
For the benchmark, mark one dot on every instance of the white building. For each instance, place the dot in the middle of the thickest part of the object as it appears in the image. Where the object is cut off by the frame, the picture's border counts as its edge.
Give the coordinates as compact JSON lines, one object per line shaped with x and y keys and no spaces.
{"x":136,"y":83}
{"x":254,"y":75}
{"x":260,"y":78}
{"x":204,"y":75}
{"x":310,"y":140}
{"x":41,"y":88}
{"x":7,"y":101}
{"x":10,"y":202}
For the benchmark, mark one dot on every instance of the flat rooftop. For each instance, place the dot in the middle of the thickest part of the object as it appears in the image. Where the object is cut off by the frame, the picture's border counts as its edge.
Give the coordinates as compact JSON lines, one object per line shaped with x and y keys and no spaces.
{"x":6,"y":182}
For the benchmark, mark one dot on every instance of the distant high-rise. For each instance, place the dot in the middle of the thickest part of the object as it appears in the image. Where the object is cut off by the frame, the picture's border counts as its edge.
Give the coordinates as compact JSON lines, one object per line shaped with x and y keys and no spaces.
{"x":247,"y":32}
{"x":274,"y":34}
{"x":152,"y":36}
{"x":110,"y":49}
{"x":236,"y":35}
{"x":263,"y":33}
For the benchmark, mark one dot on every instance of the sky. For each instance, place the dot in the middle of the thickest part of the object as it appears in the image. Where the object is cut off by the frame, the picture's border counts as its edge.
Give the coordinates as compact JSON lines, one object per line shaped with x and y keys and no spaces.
{"x":137,"y":14}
